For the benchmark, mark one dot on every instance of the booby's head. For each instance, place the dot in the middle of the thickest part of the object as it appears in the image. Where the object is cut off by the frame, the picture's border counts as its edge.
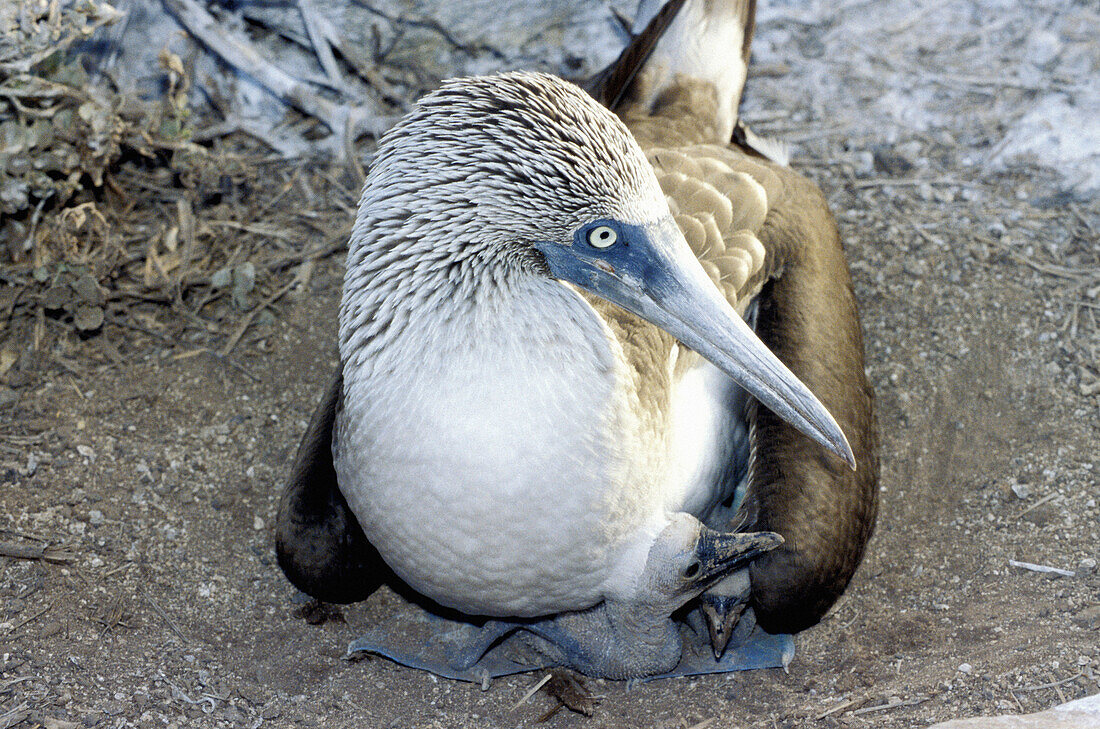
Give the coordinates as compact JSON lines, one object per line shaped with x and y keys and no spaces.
{"x":485,"y":169}
{"x":524,"y":172}
{"x":687,"y":557}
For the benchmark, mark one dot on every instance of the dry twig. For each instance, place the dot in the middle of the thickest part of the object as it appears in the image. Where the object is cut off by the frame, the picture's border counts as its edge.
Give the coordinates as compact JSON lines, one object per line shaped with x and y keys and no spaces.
{"x":1041,"y":568}
{"x":30,"y":619}
{"x":351,"y":119}
{"x":247,"y":320}
{"x":14,"y":715}
{"x":1037,"y":504}
{"x":532,"y":691}
{"x":891,"y":705}
{"x":28,"y":551}
{"x":1052,"y":684}
{"x":163,"y":615}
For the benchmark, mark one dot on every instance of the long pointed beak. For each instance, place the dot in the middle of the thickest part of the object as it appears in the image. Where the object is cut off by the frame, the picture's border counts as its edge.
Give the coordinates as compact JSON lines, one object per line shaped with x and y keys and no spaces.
{"x":720,"y":553}
{"x":653,"y":273}
{"x":721,"y":614}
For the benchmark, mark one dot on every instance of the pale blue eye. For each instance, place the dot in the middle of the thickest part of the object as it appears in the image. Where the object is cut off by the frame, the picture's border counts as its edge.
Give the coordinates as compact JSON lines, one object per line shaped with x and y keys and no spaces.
{"x":602,"y":236}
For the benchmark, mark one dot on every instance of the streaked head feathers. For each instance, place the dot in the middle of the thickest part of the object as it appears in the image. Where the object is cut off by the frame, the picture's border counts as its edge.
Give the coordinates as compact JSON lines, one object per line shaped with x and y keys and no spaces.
{"x":512,"y":155}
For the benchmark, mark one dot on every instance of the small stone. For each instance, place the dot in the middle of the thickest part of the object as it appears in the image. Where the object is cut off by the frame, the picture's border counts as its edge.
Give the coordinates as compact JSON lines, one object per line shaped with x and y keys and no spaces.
{"x":891,"y":162}
{"x":1086,"y":566}
{"x":1022,"y":490}
{"x":95,"y":517}
{"x":142,"y":469}
{"x":222,"y":278}
{"x":88,"y":318}
{"x":257,"y":523}
{"x":965,"y":668}
{"x":863,"y":163}
{"x":1089,"y":618}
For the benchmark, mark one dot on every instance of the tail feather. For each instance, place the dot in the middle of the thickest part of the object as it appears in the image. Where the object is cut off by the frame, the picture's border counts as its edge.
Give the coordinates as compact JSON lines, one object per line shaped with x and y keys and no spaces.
{"x":766,"y":147}
{"x":611,"y":85}
{"x":702,"y":40}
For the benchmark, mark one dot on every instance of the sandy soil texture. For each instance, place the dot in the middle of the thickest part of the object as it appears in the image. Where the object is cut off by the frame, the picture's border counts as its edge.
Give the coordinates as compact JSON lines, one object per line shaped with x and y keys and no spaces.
{"x":151,"y":467}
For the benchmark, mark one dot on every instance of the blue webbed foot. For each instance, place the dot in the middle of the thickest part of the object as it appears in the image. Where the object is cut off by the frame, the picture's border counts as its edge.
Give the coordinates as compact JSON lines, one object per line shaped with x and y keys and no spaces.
{"x":466,"y":645}
{"x":587,"y":642}
{"x":450,"y":647}
{"x":758,"y":650}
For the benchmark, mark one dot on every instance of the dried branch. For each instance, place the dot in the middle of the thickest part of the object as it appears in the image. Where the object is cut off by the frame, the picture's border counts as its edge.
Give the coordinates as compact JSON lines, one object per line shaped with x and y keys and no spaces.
{"x":99,"y":14}
{"x":321,"y":41}
{"x":363,"y":115}
{"x":34,"y":551}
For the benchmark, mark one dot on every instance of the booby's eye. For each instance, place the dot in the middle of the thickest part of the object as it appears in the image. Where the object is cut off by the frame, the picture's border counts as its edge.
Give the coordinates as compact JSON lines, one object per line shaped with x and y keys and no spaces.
{"x":602,"y":236}
{"x":691,"y":570}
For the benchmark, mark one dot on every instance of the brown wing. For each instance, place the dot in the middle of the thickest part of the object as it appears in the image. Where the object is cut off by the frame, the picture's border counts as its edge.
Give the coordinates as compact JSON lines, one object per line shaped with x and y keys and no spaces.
{"x":720,"y":199}
{"x":764,"y":232}
{"x":320,"y":545}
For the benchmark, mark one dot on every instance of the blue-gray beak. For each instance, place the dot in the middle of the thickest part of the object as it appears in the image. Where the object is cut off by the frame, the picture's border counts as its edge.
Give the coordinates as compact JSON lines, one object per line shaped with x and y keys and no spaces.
{"x":719,"y":553}
{"x":651,"y":271}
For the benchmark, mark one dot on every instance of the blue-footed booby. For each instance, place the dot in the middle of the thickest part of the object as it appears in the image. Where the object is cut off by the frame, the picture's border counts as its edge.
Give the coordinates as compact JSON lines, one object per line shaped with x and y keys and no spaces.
{"x":547,"y":377}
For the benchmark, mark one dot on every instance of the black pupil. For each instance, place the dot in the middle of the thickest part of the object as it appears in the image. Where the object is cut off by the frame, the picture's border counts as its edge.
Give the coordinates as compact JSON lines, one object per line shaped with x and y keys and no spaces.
{"x":692,"y":570}
{"x":604,"y":234}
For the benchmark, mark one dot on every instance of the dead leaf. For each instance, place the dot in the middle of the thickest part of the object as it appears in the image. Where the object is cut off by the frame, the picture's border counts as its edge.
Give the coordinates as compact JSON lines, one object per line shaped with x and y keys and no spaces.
{"x":58,"y":296}
{"x":88,"y":291}
{"x":8,"y":359}
{"x":571,"y":692}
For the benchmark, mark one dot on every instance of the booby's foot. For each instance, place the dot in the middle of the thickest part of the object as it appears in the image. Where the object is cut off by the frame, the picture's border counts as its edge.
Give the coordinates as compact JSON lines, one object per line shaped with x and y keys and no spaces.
{"x":759,"y":650}
{"x":580,"y":642}
{"x":467,"y":646}
{"x":467,"y":651}
{"x":455,"y":649}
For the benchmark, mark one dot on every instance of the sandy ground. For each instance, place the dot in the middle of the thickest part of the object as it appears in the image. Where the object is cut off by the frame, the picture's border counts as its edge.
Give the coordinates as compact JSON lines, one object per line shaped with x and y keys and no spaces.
{"x":157,"y":466}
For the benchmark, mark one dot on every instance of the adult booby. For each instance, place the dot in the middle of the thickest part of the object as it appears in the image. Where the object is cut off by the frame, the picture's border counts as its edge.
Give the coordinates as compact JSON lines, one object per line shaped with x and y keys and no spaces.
{"x":513,"y":444}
